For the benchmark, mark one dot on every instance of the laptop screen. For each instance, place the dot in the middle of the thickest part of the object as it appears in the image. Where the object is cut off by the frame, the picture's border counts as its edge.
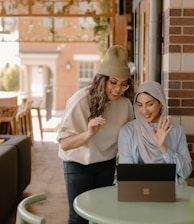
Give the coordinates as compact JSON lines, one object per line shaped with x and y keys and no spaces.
{"x":146,"y":172}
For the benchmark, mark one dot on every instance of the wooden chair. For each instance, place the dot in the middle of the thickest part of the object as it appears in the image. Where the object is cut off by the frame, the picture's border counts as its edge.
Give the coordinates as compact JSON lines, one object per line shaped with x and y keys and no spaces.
{"x":8,"y":120}
{"x":23,"y":215}
{"x":9,"y":101}
{"x":24,"y":119}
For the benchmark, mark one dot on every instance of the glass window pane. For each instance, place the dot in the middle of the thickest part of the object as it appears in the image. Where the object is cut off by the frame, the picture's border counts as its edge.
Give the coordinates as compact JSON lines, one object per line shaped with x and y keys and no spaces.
{"x":86,"y":73}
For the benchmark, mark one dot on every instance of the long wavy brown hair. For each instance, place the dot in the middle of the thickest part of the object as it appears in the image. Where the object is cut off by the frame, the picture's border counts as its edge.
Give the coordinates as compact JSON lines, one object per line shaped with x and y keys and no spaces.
{"x":97,"y":96}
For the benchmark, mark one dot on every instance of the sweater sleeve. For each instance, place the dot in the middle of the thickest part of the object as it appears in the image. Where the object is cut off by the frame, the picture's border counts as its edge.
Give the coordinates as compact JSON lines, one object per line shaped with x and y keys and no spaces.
{"x":126,"y":153}
{"x":75,"y":116}
{"x":178,"y":152}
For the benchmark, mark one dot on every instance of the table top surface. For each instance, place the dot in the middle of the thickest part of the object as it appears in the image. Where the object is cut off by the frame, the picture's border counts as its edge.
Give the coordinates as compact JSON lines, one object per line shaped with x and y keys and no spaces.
{"x":101,"y":206}
{"x":7,"y":94}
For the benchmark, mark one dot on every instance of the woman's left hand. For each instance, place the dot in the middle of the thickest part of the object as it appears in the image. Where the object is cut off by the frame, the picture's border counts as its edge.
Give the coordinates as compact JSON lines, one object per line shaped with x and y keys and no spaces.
{"x":95,"y":124}
{"x":161,"y":133}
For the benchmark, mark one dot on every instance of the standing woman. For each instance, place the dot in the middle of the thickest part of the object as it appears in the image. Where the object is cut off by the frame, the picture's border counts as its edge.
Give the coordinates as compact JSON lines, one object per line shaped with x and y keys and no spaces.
{"x":152,"y":137}
{"x":89,"y":129}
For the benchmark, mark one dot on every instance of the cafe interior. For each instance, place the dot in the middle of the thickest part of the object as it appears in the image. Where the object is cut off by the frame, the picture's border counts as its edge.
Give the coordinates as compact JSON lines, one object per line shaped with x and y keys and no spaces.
{"x":58,"y":38}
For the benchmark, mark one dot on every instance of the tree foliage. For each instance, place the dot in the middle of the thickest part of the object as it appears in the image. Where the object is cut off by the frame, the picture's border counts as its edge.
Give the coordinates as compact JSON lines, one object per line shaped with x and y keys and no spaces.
{"x":9,"y":78}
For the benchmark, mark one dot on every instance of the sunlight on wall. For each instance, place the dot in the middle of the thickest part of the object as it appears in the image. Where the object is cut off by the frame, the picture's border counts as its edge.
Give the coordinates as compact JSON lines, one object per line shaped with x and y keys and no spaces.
{"x":9,"y":53}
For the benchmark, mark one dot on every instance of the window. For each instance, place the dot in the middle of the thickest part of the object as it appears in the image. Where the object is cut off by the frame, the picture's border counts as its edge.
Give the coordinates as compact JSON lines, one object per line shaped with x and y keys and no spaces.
{"x":86,"y":67}
{"x":49,"y":22}
{"x":86,"y":22}
{"x":86,"y":73}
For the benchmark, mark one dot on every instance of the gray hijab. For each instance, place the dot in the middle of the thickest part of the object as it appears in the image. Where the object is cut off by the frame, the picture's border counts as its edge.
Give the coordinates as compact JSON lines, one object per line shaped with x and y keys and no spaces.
{"x":147,"y":147}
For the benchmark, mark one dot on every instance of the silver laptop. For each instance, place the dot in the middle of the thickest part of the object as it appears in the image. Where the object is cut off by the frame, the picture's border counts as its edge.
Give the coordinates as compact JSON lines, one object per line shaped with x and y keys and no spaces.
{"x":146,"y":182}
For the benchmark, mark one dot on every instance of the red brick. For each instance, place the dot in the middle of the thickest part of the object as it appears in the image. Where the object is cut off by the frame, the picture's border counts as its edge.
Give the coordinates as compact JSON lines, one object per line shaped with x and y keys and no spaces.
{"x":175,"y":12}
{"x":181,"y":111}
{"x":174,"y":102}
{"x":175,"y":30}
{"x":188,"y":85}
{"x":181,"y":39}
{"x":191,"y":153}
{"x":174,"y":48}
{"x":181,"y":76}
{"x":190,"y":150}
{"x":188,"y":49}
{"x":182,"y":21}
{"x":174,"y":84}
{"x":188,"y":30}
{"x":181,"y":93}
{"x":190,"y":138}
{"x":188,"y":102}
{"x":188,"y":12}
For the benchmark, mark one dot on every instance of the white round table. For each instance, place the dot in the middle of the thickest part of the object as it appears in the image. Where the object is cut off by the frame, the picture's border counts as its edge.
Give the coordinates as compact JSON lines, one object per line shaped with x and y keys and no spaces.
{"x":101,"y":206}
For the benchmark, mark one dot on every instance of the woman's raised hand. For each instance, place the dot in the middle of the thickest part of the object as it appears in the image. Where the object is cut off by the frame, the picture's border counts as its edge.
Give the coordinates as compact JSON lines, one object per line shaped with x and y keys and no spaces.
{"x":95,"y":124}
{"x":161,"y":133}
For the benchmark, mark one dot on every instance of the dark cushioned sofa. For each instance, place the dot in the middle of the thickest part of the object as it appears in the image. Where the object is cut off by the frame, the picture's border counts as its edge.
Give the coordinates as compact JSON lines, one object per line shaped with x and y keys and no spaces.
{"x":15,"y":171}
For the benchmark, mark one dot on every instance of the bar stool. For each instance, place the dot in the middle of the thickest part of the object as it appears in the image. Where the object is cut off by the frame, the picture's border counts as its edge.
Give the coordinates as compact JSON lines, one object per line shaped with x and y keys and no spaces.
{"x":23,"y":215}
{"x":8,"y":101}
{"x":24,"y":119}
{"x":36,"y":106}
{"x":8,"y":120}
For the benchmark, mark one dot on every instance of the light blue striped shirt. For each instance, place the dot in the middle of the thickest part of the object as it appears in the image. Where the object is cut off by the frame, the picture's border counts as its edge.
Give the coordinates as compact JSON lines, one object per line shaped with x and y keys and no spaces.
{"x":176,"y":142}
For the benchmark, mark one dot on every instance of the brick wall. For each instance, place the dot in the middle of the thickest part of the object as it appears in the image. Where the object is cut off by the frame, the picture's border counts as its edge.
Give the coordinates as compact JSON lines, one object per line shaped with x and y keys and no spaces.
{"x":178,"y":63}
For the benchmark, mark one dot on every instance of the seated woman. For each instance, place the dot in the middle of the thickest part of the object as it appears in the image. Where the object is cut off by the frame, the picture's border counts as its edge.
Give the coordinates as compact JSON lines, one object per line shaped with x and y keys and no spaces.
{"x":152,"y":137}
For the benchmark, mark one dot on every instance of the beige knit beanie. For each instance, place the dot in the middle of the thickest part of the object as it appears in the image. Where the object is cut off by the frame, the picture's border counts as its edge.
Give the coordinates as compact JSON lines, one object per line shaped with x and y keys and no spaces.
{"x":115,"y":63}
